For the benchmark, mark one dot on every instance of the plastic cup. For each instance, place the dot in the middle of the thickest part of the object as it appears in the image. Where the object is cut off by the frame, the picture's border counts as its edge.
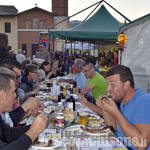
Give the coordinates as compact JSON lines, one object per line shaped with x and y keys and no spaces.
{"x":83,"y":118}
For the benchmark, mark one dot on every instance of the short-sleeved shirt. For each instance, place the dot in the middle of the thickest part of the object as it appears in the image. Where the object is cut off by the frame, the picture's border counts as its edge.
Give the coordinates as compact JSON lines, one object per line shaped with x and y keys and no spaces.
{"x":45,"y":55}
{"x":137,"y":110}
{"x":100,"y":85}
{"x":80,"y":79}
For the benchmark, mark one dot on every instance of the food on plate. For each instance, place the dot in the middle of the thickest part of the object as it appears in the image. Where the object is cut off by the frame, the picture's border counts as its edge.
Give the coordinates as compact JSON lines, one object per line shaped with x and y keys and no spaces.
{"x":95,"y":129}
{"x":96,"y":122}
{"x":43,"y":141}
{"x":92,"y":118}
{"x":44,"y":144}
{"x":69,"y":115}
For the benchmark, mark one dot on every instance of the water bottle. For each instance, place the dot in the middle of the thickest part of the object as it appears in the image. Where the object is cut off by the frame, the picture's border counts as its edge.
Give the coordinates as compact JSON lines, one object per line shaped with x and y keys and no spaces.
{"x":60,"y":117}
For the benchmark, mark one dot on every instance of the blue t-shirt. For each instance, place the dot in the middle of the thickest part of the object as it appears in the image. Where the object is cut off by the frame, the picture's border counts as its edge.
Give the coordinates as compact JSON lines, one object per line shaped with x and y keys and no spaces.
{"x":137,"y":110}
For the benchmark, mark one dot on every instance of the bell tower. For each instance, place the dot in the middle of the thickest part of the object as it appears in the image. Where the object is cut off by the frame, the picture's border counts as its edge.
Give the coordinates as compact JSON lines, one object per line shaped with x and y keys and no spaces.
{"x":60,"y":7}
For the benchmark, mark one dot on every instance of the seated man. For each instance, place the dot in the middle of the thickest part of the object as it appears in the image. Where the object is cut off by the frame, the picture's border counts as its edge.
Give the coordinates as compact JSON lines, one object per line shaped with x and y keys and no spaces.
{"x":132,"y":121}
{"x":79,"y":77}
{"x":21,"y":137}
{"x":96,"y":83}
{"x":26,"y":108}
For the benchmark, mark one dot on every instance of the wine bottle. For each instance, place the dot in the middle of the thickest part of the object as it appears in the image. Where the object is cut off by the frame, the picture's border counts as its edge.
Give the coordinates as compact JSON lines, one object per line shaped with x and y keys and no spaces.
{"x":71,"y":100}
{"x":61,"y":96}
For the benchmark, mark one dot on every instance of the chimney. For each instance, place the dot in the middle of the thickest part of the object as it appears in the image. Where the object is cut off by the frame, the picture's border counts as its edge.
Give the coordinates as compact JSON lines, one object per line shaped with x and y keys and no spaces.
{"x":60,"y":7}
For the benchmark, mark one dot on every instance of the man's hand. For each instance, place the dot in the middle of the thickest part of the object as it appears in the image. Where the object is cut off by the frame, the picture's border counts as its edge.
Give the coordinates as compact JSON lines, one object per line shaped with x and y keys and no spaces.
{"x":35,"y":91}
{"x":82,"y":100}
{"x":107,"y":104}
{"x":32,"y":102}
{"x":38,"y":125}
{"x":75,"y":90}
{"x":30,"y":112}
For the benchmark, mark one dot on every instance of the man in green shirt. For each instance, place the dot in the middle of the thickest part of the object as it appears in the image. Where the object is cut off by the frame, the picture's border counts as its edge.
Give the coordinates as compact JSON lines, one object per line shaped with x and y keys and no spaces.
{"x":96,"y":83}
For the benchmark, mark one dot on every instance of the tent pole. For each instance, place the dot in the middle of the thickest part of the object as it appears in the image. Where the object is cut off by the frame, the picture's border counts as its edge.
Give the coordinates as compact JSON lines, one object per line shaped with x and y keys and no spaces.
{"x":71,"y":46}
{"x":65,"y":45}
{"x":69,"y":18}
{"x":119,"y":57}
{"x":117,"y":11}
{"x":93,"y":10}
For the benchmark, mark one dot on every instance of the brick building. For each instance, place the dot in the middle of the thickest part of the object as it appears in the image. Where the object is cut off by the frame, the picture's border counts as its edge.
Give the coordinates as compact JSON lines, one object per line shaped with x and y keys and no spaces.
{"x":34,"y":21}
{"x":24,"y":28}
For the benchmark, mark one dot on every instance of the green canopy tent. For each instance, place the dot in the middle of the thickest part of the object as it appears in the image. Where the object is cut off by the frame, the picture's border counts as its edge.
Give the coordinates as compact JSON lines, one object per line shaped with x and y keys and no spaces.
{"x":101,"y":26}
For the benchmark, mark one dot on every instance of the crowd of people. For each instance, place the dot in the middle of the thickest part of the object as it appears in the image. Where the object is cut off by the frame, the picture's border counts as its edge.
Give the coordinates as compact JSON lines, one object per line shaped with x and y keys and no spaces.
{"x":123,"y":107}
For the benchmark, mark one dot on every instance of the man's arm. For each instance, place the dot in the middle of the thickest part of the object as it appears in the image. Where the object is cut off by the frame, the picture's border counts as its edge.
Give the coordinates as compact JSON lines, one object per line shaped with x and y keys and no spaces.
{"x":140,"y":132}
{"x":14,"y":136}
{"x":108,"y":118}
{"x":21,"y":138}
{"x":86,"y":89}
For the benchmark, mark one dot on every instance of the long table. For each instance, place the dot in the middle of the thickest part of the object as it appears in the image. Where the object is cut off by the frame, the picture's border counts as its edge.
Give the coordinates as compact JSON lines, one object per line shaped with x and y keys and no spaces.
{"x":79,"y":140}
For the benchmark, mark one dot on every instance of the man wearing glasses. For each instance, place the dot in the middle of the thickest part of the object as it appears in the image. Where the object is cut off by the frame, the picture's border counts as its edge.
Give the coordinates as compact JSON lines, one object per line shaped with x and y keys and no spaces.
{"x":96,"y":83}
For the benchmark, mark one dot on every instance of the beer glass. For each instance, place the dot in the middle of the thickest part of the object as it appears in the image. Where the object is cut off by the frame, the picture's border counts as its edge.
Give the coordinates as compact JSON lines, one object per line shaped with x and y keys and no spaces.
{"x":83,"y":118}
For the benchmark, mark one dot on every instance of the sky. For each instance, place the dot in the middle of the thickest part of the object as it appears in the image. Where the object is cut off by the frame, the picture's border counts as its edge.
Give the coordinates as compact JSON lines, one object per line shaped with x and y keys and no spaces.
{"x":132,"y":9}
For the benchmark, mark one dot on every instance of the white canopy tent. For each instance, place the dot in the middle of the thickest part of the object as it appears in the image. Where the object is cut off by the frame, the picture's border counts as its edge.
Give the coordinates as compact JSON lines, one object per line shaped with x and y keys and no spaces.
{"x":136,"y":54}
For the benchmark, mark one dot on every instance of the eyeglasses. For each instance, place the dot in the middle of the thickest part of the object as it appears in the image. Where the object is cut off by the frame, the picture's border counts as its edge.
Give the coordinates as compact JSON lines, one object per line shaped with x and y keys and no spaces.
{"x":85,"y":71}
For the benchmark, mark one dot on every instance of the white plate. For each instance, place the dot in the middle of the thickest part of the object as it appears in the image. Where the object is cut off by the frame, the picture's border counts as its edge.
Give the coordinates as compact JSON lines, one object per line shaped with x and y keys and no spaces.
{"x":74,"y":127}
{"x":58,"y":143}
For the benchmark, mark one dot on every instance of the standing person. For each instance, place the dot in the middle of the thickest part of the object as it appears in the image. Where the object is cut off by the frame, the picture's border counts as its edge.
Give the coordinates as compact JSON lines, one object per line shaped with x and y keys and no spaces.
{"x":3,"y":47}
{"x":21,"y":137}
{"x":116,"y":58}
{"x":27,"y":87}
{"x":20,"y":57}
{"x":131,"y":121}
{"x":42,"y":53}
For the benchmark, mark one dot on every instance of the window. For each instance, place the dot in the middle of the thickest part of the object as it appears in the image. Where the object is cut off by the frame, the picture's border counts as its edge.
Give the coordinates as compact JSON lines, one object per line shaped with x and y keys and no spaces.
{"x":28,"y":24}
{"x":7,"y":27}
{"x":24,"y":48}
{"x":43,"y":24}
{"x":35,"y":22}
